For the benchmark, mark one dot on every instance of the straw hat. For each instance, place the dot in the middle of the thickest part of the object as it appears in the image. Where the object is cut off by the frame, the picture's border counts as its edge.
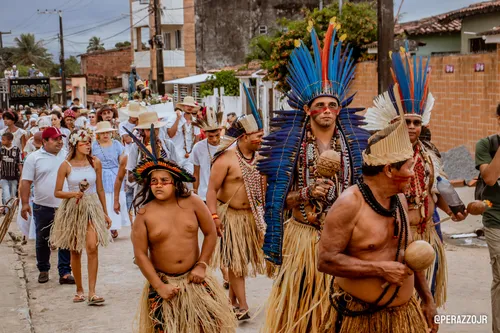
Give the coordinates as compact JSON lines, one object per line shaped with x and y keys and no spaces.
{"x":149,"y":118}
{"x":84,"y":111}
{"x":104,"y":127}
{"x":188,"y":101}
{"x":139,"y":83}
{"x":134,"y":109}
{"x":110,"y":102}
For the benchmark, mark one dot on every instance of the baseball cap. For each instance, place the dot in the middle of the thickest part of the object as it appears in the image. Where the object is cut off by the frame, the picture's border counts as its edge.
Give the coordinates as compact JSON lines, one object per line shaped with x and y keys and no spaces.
{"x":52,"y":133}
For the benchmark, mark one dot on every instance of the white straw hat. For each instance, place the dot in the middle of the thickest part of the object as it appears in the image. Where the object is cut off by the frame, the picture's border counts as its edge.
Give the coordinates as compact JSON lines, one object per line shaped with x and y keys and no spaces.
{"x":149,"y":118}
{"x":188,"y":101}
{"x":104,"y":127}
{"x":134,"y":109}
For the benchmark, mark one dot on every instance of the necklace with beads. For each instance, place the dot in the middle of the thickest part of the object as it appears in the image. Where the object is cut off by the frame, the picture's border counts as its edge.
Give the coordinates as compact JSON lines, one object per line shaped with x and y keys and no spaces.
{"x":193,"y":137}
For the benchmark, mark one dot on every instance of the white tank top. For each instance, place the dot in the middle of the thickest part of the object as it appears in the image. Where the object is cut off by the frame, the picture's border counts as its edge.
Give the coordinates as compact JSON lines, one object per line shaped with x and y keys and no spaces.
{"x":78,"y":174}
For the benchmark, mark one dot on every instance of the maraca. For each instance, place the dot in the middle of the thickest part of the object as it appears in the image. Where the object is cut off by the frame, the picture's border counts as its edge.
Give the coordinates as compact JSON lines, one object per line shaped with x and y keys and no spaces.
{"x":328,"y":163}
{"x":419,"y":255}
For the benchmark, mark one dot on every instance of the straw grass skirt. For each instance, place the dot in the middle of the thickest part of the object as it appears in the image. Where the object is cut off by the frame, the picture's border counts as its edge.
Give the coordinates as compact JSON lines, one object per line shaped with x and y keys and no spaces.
{"x":197,"y":308}
{"x":299,"y":285}
{"x":239,"y":246}
{"x":69,"y":230}
{"x":406,"y":318}
{"x":437,"y":273}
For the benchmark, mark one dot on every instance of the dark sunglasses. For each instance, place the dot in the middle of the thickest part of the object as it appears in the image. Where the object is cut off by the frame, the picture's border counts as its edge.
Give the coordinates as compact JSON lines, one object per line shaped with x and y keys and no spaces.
{"x":415,"y":122}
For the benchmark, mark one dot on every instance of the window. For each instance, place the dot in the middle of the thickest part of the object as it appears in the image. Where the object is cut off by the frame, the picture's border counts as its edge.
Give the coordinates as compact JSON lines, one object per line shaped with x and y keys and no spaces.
{"x":478,"y":45}
{"x":167,"y":41}
{"x":144,"y":2}
{"x":178,"y":39}
{"x":263,"y":29}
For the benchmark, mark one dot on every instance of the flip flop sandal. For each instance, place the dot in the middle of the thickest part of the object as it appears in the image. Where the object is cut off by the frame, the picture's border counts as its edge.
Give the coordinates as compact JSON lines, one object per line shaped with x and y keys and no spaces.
{"x":95,"y":300}
{"x":114,"y":234}
{"x":242,"y":315}
{"x":226,"y":284}
{"x":79,"y":298}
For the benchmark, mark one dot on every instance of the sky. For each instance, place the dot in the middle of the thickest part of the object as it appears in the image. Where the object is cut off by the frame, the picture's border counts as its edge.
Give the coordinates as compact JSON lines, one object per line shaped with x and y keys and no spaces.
{"x":20,"y":16}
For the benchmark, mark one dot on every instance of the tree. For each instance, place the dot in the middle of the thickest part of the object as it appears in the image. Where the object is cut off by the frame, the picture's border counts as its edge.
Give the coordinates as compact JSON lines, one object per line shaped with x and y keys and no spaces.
{"x":121,"y":45}
{"x":95,"y":45}
{"x":28,"y":52}
{"x":226,"y":79}
{"x":72,"y":65}
{"x":358,"y":21}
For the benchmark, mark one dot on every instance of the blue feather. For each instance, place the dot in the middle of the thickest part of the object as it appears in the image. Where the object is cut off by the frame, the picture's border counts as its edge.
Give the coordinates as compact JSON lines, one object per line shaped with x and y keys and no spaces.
{"x":255,"y":112}
{"x":140,"y":145}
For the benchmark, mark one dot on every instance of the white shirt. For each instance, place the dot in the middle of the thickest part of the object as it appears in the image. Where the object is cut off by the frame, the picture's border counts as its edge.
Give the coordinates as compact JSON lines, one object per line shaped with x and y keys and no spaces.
{"x":134,"y":156}
{"x":81,"y":122}
{"x":202,"y":155}
{"x":17,"y":136}
{"x":127,"y":125}
{"x":178,"y":139}
{"x":41,"y":168}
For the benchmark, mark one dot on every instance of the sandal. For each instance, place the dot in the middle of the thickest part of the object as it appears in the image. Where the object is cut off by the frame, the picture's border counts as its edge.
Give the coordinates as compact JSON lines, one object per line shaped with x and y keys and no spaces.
{"x":226,"y":285}
{"x":114,"y":234}
{"x":95,"y":300}
{"x":79,"y":298}
{"x":242,"y":314}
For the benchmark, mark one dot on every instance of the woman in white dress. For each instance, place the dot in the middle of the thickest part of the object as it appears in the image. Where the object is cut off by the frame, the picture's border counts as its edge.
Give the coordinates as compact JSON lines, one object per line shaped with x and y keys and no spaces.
{"x":20,"y":135}
{"x":112,"y":155}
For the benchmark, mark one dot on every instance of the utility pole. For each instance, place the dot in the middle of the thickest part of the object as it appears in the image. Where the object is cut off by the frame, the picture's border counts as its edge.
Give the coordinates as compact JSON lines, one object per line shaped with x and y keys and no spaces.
{"x":385,"y":9}
{"x":1,"y":35}
{"x":320,"y":4}
{"x":160,"y":75}
{"x":61,"y":56}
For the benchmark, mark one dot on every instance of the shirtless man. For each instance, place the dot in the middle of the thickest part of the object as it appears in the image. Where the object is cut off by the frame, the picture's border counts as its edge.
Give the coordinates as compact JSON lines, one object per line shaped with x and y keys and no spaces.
{"x":180,"y":296}
{"x":235,"y":198}
{"x":422,"y":194}
{"x":363,"y":245}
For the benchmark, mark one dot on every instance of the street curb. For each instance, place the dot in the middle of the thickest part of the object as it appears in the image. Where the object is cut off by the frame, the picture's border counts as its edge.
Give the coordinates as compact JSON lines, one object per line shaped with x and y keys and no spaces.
{"x":24,"y":312}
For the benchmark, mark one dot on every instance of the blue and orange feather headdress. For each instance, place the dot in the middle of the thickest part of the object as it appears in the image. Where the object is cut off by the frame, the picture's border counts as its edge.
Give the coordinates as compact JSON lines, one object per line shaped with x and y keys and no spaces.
{"x":328,"y":72}
{"x":408,"y":96}
{"x":152,"y":162}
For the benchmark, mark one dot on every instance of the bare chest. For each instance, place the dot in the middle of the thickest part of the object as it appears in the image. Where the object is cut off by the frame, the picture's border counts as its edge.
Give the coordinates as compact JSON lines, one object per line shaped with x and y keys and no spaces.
{"x":175,"y":224}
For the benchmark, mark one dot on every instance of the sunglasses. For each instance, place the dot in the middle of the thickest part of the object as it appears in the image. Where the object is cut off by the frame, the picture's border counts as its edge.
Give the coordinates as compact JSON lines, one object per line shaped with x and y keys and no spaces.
{"x":415,"y":122}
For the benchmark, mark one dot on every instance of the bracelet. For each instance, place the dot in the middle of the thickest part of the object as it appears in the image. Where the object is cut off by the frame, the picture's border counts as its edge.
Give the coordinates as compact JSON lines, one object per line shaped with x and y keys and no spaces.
{"x":304,"y":194}
{"x":202,"y":263}
{"x":215,"y":216}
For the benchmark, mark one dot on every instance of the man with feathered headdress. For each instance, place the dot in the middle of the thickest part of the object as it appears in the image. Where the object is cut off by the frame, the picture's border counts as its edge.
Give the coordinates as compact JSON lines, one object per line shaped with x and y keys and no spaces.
{"x":235,"y":196}
{"x":410,"y":96}
{"x":321,"y":125}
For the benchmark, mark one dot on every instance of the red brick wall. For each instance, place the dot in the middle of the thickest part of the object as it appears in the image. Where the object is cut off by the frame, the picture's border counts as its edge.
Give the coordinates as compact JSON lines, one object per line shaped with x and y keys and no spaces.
{"x":466,"y":101}
{"x":103,"y":68}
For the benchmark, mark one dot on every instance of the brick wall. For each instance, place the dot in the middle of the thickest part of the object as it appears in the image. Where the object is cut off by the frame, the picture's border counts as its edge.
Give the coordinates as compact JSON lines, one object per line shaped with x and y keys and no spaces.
{"x":104,"y":69}
{"x":466,"y":101}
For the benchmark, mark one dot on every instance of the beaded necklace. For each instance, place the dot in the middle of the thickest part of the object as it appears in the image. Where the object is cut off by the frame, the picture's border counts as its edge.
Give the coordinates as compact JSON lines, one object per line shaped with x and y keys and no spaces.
{"x":417,"y":195}
{"x":307,"y":173}
{"x":254,"y":185}
{"x":193,"y":137}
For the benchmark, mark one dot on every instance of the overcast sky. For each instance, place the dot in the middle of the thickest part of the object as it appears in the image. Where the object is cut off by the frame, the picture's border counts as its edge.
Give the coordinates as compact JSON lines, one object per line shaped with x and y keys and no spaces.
{"x":20,"y":16}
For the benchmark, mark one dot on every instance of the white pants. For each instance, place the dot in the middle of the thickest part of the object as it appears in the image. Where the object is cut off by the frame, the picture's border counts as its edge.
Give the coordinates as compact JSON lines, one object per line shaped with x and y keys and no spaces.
{"x":9,"y":189}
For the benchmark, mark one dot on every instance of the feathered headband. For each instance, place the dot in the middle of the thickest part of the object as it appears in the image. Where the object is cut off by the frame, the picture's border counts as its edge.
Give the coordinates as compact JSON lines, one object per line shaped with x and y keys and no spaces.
{"x":328,"y":72}
{"x":246,"y":124}
{"x":152,"y":162}
{"x":210,"y":121}
{"x":80,"y":135}
{"x":408,"y":96}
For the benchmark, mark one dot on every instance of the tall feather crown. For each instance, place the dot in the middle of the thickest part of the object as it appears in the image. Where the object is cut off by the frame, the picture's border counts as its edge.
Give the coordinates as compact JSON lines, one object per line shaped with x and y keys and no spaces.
{"x":408,"y":96}
{"x":211,"y":120}
{"x":328,"y":72}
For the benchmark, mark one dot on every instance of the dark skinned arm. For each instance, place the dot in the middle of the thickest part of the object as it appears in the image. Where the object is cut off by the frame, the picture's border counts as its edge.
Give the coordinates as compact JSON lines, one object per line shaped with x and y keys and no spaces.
{"x":214,"y":185}
{"x":339,"y":225}
{"x":491,"y":172}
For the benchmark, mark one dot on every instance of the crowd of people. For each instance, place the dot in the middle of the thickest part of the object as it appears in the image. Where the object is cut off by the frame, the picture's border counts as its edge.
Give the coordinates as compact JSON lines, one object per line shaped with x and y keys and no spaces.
{"x":326,"y":204}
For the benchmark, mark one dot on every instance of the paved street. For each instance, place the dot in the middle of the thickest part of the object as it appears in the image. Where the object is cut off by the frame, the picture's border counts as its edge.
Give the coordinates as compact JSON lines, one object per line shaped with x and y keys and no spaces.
{"x":120,"y":282}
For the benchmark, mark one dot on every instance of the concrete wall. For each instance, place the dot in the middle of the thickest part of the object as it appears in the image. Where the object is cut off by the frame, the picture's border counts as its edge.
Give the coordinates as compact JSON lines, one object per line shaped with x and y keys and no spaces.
{"x":466,"y":101}
{"x":224,"y":28}
{"x":478,"y":23}
{"x":438,"y":43}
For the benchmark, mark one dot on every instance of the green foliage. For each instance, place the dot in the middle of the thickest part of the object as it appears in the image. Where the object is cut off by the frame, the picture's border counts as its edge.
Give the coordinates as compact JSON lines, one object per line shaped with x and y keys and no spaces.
{"x":358,"y":21}
{"x":95,"y":45}
{"x":72,"y":66}
{"x":124,"y":44}
{"x":226,"y":79}
{"x":28,"y":51}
